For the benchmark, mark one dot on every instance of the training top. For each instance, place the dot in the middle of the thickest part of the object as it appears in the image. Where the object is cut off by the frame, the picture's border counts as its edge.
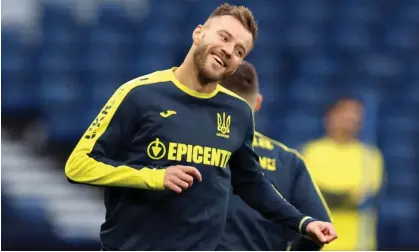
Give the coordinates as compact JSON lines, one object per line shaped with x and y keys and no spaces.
{"x":151,"y":123}
{"x":248,"y":230}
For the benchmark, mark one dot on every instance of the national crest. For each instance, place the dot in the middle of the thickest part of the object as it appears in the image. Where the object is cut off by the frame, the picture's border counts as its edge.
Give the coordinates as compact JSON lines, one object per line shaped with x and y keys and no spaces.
{"x":223,"y":125}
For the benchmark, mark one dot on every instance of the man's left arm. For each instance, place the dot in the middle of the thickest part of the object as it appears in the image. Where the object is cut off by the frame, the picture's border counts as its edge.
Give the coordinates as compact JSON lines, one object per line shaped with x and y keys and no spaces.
{"x":251,"y":185}
{"x":308,"y":199}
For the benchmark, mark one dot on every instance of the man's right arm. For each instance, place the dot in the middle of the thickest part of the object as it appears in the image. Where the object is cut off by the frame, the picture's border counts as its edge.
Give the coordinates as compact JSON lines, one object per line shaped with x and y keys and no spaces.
{"x":308,"y":199}
{"x":91,"y":162}
{"x":251,"y":185}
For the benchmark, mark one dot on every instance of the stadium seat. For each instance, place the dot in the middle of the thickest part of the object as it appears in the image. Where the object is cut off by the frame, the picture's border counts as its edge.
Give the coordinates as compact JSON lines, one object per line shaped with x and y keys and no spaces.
{"x":17,"y":91}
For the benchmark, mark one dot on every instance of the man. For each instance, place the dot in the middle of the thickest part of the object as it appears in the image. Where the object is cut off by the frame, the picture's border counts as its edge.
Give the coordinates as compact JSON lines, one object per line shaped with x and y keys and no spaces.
{"x":162,"y":144}
{"x":349,"y":174}
{"x":246,"y":229}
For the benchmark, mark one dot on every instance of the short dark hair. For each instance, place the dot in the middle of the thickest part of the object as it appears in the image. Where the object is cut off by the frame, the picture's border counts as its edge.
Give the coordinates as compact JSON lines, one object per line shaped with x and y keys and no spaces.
{"x":241,"y":13}
{"x":244,"y":81}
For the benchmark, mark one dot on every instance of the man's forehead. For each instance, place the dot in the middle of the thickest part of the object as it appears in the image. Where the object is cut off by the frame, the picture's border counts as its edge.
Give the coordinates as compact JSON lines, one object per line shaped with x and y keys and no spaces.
{"x":232,"y":26}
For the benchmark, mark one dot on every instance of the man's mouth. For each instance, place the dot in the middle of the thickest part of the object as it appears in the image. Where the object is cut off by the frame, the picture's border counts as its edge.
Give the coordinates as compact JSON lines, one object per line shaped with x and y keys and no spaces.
{"x":219,"y":60}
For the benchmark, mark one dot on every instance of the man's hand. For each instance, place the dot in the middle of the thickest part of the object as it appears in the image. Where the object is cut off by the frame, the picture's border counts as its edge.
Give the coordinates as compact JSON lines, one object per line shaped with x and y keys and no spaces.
{"x":179,"y":178}
{"x":321,"y":232}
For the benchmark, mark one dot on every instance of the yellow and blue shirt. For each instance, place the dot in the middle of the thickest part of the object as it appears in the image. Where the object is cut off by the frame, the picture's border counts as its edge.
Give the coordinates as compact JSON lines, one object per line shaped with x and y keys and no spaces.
{"x":247,"y":229}
{"x":154,"y":122}
{"x":349,"y":176}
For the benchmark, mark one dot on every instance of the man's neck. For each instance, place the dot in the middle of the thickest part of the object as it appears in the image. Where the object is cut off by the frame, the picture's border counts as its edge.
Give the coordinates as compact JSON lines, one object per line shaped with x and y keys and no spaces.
{"x":341,"y":138}
{"x":188,"y":76}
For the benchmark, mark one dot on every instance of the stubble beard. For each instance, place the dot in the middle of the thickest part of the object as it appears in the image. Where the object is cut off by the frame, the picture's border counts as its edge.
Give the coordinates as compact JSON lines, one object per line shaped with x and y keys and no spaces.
{"x":200,"y":57}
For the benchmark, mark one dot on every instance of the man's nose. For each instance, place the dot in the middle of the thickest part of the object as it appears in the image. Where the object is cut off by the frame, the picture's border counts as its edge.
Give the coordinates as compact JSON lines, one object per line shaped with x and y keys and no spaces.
{"x":228,"y":50}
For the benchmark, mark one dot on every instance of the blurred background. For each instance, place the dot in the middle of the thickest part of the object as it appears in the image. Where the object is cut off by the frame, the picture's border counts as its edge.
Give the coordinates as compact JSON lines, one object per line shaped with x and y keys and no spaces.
{"x":62,"y":59}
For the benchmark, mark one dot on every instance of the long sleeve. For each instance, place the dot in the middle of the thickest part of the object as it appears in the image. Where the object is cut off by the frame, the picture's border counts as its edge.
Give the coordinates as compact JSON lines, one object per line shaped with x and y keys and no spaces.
{"x":93,"y":159}
{"x":308,"y":199}
{"x":251,"y":185}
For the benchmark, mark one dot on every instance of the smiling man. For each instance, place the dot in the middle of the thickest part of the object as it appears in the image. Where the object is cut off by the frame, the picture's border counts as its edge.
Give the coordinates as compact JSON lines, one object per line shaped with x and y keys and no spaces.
{"x":169,"y":145}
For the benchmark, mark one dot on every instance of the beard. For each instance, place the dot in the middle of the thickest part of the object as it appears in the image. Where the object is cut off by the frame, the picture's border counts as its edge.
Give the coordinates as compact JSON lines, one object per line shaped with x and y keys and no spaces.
{"x":205,"y":74}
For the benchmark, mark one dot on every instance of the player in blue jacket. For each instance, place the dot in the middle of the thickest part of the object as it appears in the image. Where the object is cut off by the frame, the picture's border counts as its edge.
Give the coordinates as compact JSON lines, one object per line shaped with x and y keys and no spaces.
{"x":246,"y":229}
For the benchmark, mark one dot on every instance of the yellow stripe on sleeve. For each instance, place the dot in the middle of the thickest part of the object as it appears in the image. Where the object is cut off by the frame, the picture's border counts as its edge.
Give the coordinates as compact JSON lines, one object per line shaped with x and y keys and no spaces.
{"x":276,"y":190}
{"x":302,"y":222}
{"x":81,"y":168}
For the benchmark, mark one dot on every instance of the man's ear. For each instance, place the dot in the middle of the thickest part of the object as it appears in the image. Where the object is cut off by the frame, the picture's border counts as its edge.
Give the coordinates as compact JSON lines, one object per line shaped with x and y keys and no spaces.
{"x":197,"y":34}
{"x":259,"y":100}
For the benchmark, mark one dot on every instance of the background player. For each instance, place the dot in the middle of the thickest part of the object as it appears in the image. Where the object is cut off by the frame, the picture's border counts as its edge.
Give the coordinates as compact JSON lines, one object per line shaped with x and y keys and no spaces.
{"x":171,"y":129}
{"x":246,"y":229}
{"x":349,"y":174}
